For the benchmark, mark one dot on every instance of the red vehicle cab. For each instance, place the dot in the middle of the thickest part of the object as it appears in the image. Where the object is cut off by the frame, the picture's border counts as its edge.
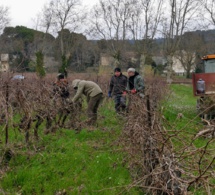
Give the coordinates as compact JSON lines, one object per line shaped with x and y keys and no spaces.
{"x":204,"y":82}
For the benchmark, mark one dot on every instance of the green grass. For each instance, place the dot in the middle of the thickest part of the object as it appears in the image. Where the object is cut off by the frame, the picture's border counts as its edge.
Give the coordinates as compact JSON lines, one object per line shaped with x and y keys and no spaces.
{"x":68,"y":162}
{"x":181,"y":100}
{"x":85,"y":163}
{"x":89,"y":162}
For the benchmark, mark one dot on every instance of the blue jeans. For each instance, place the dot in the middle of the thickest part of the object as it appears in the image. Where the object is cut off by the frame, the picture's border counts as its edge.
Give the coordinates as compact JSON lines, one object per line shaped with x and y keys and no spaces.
{"x":120,"y":102}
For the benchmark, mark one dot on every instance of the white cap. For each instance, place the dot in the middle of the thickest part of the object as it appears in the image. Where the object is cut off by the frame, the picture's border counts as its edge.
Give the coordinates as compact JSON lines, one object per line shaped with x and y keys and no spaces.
{"x":131,"y":70}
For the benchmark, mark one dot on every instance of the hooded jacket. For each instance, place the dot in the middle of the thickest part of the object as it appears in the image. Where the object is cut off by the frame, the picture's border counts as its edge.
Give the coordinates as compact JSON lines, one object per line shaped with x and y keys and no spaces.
{"x":136,"y":82}
{"x":87,"y":88}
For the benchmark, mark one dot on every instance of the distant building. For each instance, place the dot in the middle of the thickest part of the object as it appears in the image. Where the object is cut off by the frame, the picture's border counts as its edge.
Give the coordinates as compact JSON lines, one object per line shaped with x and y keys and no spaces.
{"x":177,"y":66}
{"x":106,"y":59}
{"x":4,"y":63}
{"x":159,"y":60}
{"x":106,"y":63}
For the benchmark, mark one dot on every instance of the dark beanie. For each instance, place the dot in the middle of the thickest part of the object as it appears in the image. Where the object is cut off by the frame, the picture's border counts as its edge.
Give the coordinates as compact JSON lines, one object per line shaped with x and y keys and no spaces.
{"x":117,"y":70}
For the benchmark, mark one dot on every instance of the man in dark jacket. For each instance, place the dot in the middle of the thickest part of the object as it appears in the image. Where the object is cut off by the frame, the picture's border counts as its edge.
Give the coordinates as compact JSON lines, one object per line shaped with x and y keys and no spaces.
{"x":117,"y":88}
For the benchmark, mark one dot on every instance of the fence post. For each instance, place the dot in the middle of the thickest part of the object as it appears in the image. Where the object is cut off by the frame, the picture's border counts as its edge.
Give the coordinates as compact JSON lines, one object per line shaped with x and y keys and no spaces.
{"x":148,"y":111}
{"x":7,"y":112}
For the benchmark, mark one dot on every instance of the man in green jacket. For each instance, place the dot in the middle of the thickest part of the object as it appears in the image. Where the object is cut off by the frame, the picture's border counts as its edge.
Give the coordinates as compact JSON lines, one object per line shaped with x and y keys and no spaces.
{"x":135,"y":82}
{"x":93,"y":94}
{"x":135,"y":86}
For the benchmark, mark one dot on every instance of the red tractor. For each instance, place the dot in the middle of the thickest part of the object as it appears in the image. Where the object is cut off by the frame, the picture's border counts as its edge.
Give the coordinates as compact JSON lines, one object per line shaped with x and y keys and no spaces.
{"x":204,"y":87}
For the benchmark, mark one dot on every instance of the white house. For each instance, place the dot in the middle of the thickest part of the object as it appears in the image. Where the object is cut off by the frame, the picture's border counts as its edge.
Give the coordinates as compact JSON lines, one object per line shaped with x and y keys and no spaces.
{"x":177,"y":67}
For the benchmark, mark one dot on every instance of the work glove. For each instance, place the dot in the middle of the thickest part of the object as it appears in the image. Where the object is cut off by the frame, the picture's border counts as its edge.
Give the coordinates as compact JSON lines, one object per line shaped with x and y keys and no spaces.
{"x":133,"y":91}
{"x":109,"y":94}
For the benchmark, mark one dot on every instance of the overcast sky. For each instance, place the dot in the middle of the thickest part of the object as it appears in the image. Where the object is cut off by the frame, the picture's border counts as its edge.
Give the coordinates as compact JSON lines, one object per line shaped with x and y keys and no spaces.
{"x":23,"y":11}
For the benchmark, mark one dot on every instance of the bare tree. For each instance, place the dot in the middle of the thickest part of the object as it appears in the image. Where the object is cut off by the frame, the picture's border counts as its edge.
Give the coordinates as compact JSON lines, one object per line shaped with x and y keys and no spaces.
{"x":62,"y":14}
{"x":136,"y":24}
{"x":120,"y":21}
{"x":209,"y":11}
{"x":36,"y":21}
{"x":60,"y":17}
{"x":43,"y":21}
{"x":181,"y":15}
{"x":47,"y":17}
{"x":152,"y":13}
{"x":189,"y":51}
{"x":4,"y":17}
{"x":187,"y":59}
{"x":125,"y":19}
{"x":111,"y":21}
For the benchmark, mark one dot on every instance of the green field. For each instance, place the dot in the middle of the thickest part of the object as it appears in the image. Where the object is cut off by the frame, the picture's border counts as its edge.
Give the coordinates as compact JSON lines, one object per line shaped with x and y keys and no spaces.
{"x":89,"y":162}
{"x":197,"y":154}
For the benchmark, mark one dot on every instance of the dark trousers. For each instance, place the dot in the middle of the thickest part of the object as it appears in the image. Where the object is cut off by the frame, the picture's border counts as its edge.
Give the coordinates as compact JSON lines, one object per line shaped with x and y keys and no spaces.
{"x":120,"y":102}
{"x":93,"y":105}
